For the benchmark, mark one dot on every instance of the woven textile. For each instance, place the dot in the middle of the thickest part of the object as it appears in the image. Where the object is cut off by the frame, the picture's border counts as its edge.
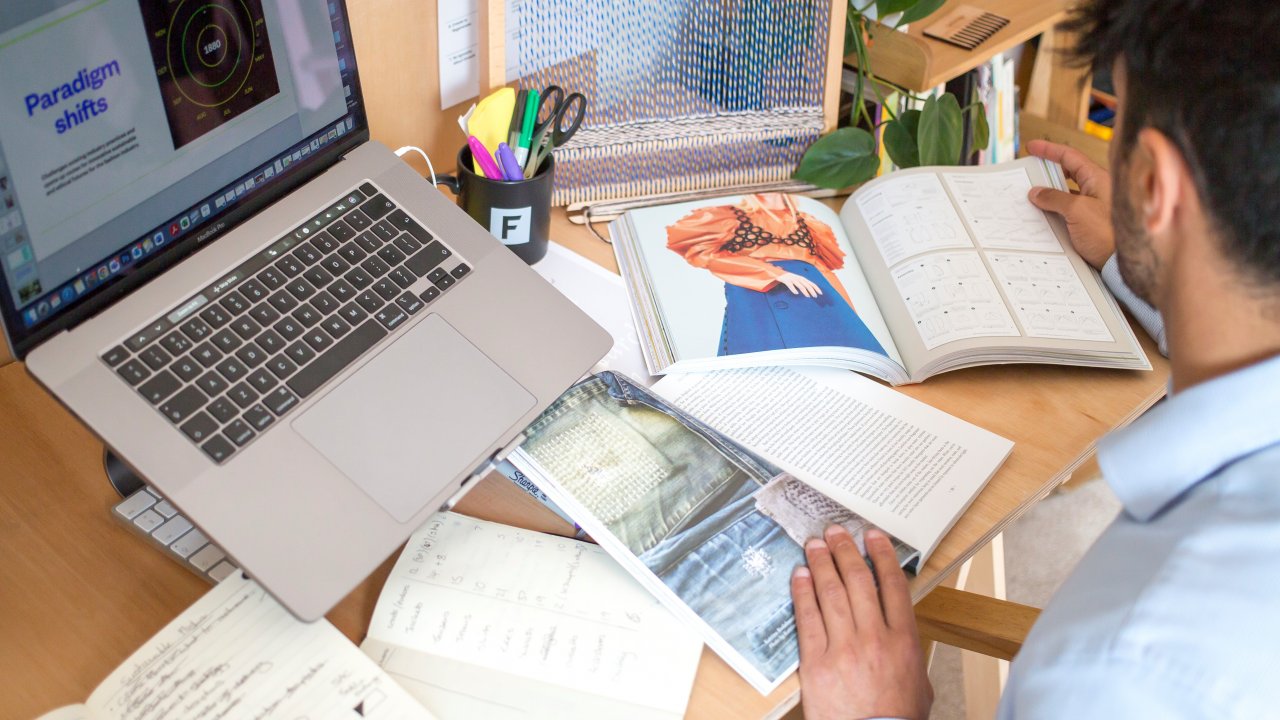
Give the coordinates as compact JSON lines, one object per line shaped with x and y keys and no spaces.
{"x":684,"y":94}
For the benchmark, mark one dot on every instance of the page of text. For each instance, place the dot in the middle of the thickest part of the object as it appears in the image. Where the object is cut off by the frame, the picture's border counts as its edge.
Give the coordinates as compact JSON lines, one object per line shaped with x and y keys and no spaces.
{"x":904,"y":466}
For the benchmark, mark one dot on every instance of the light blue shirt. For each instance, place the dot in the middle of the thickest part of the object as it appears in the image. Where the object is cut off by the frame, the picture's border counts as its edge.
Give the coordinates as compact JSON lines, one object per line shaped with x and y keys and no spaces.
{"x":1148,"y":317}
{"x":1175,"y":611}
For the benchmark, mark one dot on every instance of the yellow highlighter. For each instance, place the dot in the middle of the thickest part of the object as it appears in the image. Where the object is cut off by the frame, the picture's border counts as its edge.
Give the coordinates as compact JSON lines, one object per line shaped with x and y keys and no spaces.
{"x":491,"y":120}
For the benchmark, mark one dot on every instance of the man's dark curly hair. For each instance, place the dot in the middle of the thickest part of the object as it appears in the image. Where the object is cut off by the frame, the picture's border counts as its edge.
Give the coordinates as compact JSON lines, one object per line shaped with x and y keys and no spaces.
{"x":1205,"y":73}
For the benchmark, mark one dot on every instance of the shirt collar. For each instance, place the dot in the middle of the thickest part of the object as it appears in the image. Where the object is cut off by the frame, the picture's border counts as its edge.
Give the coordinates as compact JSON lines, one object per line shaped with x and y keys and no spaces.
{"x":1190,"y":436}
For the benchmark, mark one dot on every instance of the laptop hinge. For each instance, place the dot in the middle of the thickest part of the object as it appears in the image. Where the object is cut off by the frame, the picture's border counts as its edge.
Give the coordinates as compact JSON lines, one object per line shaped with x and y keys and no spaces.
{"x":482,"y":470}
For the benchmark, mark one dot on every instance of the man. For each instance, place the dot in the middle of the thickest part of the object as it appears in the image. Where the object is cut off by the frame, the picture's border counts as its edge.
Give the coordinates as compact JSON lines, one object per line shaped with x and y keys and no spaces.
{"x":1173,"y":612}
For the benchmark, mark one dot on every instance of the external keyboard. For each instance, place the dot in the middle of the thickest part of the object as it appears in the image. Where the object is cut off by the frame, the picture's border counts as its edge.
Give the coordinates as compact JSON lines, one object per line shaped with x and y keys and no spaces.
{"x":226,"y":363}
{"x":152,"y":517}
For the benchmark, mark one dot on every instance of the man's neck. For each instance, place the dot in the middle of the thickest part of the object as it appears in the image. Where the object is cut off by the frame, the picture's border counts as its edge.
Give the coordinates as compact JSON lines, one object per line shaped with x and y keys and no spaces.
{"x":1217,"y":323}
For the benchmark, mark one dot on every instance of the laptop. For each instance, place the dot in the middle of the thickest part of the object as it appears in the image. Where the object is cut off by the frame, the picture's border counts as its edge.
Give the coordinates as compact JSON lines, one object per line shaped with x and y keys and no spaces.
{"x":270,"y":318}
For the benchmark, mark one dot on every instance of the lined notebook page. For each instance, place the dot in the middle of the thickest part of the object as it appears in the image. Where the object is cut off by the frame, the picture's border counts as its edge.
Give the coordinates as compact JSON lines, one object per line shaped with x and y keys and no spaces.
{"x":238,"y":653}
{"x":522,"y":608}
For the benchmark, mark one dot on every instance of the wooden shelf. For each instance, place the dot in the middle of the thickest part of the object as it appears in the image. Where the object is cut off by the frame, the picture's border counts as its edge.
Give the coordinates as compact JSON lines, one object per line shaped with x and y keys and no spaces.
{"x":917,"y":63}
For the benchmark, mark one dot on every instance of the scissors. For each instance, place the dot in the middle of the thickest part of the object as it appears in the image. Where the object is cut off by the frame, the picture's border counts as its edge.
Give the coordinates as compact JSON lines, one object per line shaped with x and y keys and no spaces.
{"x":551,"y":133}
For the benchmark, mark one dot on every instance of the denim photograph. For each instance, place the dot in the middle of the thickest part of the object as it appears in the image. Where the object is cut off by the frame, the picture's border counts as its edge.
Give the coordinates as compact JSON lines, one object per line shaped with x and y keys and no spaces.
{"x":680,"y":497}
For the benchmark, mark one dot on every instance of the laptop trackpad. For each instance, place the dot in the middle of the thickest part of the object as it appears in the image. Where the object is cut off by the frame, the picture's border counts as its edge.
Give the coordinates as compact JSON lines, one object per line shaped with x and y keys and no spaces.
{"x":415,"y":417}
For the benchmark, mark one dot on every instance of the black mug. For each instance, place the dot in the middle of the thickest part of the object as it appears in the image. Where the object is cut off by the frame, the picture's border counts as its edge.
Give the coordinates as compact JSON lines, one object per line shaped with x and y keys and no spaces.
{"x":516,"y":212}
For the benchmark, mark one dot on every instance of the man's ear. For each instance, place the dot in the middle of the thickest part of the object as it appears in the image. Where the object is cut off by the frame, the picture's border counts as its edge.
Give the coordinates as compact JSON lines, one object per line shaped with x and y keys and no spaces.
{"x":1161,"y":180}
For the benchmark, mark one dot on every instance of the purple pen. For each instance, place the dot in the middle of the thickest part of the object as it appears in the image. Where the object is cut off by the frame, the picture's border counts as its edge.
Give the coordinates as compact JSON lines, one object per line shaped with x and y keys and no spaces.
{"x":508,"y":163}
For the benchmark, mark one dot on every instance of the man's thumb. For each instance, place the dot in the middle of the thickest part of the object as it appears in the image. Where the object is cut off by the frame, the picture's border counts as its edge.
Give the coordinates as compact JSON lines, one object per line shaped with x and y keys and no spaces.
{"x":1051,"y":200}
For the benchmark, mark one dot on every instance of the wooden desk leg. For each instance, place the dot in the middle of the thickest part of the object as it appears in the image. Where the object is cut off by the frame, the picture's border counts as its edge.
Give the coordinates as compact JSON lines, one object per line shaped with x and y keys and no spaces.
{"x":1058,"y":92}
{"x":983,"y":677}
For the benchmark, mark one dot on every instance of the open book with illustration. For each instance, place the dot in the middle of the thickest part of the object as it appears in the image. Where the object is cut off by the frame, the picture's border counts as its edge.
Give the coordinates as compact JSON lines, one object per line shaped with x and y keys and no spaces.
{"x":706,"y":487}
{"x":923,"y":271}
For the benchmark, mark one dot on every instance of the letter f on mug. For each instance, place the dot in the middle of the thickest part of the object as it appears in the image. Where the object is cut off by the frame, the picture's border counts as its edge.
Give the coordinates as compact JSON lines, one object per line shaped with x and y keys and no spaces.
{"x":510,"y":225}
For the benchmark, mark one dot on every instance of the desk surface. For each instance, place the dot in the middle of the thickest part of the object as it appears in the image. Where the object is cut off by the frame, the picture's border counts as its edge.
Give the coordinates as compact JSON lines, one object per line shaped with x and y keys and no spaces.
{"x":78,"y":593}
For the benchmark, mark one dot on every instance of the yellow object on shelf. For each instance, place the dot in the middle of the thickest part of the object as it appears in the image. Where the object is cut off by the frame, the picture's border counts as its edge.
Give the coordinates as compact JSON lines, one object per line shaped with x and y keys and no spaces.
{"x":1098,"y":130}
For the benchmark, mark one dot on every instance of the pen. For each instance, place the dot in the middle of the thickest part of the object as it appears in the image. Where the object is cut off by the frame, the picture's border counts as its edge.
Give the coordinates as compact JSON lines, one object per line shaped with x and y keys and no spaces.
{"x":526,"y":132}
{"x":483,"y":158}
{"x":517,"y":118}
{"x":507,"y":161}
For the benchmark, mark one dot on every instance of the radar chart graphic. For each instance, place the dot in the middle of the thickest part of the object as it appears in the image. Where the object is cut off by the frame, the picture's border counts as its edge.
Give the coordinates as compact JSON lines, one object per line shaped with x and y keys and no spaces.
{"x":213,"y":61}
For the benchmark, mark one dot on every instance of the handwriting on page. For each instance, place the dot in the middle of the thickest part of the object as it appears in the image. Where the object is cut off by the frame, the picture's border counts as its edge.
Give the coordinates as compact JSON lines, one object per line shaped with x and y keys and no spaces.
{"x":238,"y":653}
{"x":547,"y":608}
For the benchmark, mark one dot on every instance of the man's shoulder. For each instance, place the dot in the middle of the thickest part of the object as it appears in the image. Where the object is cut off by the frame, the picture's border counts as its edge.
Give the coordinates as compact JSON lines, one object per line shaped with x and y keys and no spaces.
{"x":1186,"y":598}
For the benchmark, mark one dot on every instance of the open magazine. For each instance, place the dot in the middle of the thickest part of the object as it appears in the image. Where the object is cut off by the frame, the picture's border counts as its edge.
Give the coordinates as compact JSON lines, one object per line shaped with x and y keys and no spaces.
{"x":923,"y":271}
{"x":706,"y":488}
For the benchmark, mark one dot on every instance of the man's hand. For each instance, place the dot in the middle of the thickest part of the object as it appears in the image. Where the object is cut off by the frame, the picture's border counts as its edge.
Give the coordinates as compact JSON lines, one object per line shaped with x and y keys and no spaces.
{"x":860,"y":655}
{"x":799,"y":285}
{"x":1088,"y":214}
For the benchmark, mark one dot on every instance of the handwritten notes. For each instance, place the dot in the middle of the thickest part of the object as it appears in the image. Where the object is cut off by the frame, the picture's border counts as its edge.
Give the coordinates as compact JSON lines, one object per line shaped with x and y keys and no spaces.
{"x":518,"y":605}
{"x":238,"y":653}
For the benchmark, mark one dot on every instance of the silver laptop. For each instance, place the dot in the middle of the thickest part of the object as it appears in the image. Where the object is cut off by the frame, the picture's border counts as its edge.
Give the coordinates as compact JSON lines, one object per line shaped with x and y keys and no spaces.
{"x":209,"y":263}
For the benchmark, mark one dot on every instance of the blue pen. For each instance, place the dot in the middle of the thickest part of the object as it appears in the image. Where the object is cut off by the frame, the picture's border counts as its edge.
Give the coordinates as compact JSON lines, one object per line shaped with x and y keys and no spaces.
{"x":507,"y":161}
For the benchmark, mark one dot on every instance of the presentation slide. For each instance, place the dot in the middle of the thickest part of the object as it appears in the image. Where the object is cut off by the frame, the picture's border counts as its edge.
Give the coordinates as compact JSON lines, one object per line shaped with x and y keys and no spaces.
{"x":213,"y":60}
{"x":101,"y":106}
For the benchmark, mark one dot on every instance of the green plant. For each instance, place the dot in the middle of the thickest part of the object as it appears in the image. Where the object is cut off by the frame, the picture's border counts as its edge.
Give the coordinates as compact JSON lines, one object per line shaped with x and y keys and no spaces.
{"x":933,"y":135}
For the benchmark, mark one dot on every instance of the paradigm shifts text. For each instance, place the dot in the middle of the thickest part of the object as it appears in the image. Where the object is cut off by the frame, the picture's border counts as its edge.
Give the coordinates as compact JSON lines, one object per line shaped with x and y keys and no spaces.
{"x":86,"y":108}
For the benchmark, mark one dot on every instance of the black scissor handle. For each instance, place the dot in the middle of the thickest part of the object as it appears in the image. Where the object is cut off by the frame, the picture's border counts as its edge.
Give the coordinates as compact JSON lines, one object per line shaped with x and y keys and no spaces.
{"x":574,"y":108}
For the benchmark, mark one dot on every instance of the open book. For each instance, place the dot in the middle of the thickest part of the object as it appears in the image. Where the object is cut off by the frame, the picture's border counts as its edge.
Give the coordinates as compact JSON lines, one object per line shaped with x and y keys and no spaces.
{"x":706,"y":491}
{"x":482,"y":620}
{"x":923,"y":271}
{"x":237,"y":653}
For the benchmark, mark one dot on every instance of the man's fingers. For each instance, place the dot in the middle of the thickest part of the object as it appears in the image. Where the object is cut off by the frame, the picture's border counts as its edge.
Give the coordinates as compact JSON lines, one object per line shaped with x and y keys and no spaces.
{"x":1074,"y":163}
{"x":894,"y":595}
{"x":859,"y":584}
{"x":1052,"y":200}
{"x":809,"y":628}
{"x":833,"y":601}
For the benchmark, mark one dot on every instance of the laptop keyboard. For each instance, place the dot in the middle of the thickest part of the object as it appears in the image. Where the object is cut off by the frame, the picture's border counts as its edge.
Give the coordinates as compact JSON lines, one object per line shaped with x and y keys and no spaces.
{"x":229,"y":361}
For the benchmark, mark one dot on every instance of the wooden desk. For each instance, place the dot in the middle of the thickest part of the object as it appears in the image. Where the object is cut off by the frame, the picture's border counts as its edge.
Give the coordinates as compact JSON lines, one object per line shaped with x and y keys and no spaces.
{"x":78,"y":593}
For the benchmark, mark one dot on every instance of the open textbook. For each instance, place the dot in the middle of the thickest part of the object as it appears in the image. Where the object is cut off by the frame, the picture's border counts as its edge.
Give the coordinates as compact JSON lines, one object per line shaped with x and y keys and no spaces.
{"x":706,"y":488}
{"x":237,"y":653}
{"x":923,"y":271}
{"x":483,"y":620}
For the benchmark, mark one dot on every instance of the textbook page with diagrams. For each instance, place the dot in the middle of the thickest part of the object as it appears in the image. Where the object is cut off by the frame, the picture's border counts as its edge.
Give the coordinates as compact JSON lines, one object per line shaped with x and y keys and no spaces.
{"x":923,"y":271}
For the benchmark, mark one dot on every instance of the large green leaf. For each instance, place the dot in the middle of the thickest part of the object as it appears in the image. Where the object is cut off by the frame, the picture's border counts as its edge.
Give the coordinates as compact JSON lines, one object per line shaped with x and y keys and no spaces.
{"x":981,"y":130}
{"x":899,"y":139}
{"x":885,"y":8}
{"x":920,"y":11}
{"x":845,"y":157}
{"x":941,"y":126}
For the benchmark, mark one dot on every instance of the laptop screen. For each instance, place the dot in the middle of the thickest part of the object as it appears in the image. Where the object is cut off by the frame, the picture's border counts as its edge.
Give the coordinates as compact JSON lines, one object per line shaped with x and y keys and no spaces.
{"x":132,"y":130}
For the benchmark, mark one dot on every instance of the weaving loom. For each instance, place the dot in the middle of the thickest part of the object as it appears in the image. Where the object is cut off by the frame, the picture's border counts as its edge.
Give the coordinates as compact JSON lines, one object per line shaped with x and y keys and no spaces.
{"x":685,"y":95}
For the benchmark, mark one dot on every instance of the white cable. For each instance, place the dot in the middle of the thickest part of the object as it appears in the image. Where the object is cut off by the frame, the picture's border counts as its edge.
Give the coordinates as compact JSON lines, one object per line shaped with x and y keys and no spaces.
{"x":432,"y":168}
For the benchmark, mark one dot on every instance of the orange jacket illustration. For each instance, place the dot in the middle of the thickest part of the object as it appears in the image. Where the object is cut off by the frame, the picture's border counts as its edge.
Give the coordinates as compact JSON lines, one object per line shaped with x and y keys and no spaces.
{"x":701,"y":238}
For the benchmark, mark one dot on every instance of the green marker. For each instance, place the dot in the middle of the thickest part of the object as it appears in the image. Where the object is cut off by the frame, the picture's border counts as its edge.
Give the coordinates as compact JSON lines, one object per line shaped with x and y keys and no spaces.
{"x":526,"y":132}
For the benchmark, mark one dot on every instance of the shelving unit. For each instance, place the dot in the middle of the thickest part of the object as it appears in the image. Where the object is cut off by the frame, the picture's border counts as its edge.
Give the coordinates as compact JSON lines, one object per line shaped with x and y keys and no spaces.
{"x":1056,"y":95}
